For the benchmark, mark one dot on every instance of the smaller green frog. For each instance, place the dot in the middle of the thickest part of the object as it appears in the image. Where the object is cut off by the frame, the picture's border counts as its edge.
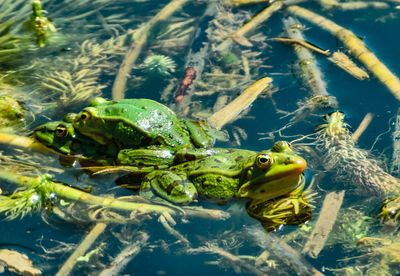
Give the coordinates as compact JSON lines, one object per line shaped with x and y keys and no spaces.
{"x":63,"y":138}
{"x":222,"y":174}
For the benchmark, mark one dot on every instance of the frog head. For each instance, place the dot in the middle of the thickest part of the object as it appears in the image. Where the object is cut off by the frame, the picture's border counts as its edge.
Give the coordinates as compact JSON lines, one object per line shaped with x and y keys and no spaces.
{"x":90,"y":124}
{"x":272,"y":173}
{"x":57,"y":135}
{"x":62,"y":137}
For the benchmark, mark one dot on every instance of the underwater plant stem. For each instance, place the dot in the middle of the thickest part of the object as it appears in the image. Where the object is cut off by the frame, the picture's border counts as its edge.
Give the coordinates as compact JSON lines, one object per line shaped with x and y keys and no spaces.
{"x":231,"y":111}
{"x":356,"y":47}
{"x":362,"y":127}
{"x":22,"y":142}
{"x":256,"y":21}
{"x":140,"y":40}
{"x":86,"y":243}
{"x":73,"y":194}
{"x":325,"y":222}
{"x":310,"y":72}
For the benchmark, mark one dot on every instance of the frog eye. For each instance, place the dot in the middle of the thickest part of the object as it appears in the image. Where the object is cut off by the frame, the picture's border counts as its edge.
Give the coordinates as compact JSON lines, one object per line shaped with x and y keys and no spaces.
{"x":264,"y":161}
{"x":85,"y":115}
{"x":61,"y":131}
{"x":281,"y":146}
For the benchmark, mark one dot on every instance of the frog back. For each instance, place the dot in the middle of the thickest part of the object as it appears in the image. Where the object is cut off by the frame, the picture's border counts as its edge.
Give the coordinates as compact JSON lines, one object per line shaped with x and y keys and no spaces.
{"x":140,"y":122}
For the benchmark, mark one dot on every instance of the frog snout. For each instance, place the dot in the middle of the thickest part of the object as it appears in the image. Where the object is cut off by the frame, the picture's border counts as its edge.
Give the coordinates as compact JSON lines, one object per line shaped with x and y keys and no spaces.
{"x":299,"y":163}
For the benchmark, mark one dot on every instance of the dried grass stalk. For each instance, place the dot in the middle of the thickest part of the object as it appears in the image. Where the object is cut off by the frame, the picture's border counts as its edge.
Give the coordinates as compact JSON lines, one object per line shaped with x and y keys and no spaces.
{"x":343,"y":61}
{"x":242,"y":102}
{"x":356,"y":47}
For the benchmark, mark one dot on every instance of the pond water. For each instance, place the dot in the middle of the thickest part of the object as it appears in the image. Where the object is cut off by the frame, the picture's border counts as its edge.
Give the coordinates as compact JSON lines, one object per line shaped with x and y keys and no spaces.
{"x":81,"y":61}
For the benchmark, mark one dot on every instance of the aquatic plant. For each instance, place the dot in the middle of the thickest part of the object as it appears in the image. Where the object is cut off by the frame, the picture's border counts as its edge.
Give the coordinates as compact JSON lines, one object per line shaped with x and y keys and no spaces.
{"x":40,"y":25}
{"x":158,"y":65}
{"x":12,"y":113}
{"x":22,"y":202}
{"x":350,"y":163}
{"x":78,"y":80}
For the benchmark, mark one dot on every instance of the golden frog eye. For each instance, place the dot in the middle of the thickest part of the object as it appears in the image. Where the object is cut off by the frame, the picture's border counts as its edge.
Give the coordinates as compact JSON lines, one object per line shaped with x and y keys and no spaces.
{"x":264,"y":161}
{"x":61,"y":131}
{"x":85,"y":115}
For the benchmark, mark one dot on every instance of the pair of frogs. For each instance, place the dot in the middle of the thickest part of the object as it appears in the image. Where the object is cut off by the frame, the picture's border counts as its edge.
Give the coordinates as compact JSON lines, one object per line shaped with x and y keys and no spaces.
{"x":175,"y":156}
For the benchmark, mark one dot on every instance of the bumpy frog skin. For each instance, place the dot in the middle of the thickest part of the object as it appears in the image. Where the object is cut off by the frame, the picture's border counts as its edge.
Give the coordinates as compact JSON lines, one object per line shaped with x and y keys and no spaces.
{"x":226,"y":173}
{"x":138,"y":123}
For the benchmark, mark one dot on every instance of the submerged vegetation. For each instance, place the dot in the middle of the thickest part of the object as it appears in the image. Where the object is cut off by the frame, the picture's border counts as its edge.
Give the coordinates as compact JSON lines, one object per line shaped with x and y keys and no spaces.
{"x":162,"y":179}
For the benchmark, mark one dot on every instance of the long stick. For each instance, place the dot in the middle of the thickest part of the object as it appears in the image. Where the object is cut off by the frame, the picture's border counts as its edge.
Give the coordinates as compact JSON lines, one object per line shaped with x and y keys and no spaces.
{"x":326,"y":220}
{"x":356,"y":47}
{"x":73,"y":194}
{"x":362,"y":127}
{"x":140,"y":40}
{"x":233,"y":109}
{"x":90,"y":238}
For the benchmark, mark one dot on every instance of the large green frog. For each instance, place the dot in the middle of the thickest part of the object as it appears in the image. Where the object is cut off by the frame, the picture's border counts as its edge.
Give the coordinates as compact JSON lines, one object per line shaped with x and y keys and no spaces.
{"x":222,"y":174}
{"x":140,"y":123}
{"x":62,"y":137}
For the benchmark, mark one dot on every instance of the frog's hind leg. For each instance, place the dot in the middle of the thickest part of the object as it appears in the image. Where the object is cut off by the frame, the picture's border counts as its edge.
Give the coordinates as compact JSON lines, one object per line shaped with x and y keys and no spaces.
{"x":170,"y":186}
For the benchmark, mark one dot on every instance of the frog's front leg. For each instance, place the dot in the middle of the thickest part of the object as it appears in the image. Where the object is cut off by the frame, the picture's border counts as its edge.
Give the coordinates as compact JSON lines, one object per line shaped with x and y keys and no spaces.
{"x":146,"y":157}
{"x":170,"y":186}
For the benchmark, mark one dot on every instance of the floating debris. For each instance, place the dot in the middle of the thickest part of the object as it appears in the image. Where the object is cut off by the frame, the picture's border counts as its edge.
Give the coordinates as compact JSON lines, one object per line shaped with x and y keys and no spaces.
{"x":356,"y":47}
{"x":18,"y":263}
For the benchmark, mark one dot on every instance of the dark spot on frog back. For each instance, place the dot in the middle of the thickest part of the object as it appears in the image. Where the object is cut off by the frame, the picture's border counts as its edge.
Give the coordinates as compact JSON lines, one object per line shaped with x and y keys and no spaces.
{"x":239,"y":158}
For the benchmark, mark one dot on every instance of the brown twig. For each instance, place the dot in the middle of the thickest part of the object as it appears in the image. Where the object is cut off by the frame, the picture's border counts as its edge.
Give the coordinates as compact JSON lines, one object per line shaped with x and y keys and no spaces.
{"x":326,"y":220}
{"x":233,"y":109}
{"x":87,"y":242}
{"x":303,"y":43}
{"x":362,"y":127}
{"x":356,"y":47}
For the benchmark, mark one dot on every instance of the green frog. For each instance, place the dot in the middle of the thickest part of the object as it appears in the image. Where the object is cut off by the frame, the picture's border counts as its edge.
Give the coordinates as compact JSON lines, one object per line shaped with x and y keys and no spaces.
{"x":222,"y":174}
{"x":141,"y":123}
{"x":61,"y":137}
